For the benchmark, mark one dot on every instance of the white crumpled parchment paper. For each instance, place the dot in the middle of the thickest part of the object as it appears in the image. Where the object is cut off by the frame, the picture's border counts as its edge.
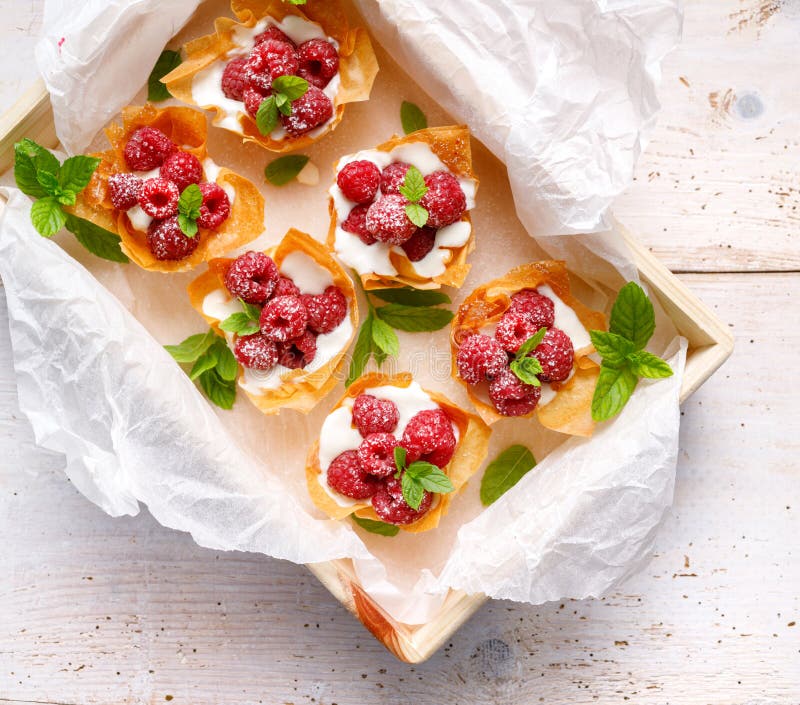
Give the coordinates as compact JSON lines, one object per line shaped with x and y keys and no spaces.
{"x":97,"y":386}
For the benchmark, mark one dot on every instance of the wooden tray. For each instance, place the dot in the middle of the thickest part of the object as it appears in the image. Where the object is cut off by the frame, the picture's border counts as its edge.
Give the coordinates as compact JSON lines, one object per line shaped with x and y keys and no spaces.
{"x":710,"y":344}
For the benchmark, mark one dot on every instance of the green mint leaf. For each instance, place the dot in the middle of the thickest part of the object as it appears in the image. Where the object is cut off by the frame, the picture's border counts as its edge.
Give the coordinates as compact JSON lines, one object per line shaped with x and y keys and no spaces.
{"x":417,"y":214}
{"x":614,"y":387}
{"x":632,"y":315}
{"x":190,"y":201}
{"x":227,"y":367}
{"x":413,"y":491}
{"x":400,"y":454}
{"x":411,"y":297}
{"x":647,"y":365}
{"x":385,"y":338}
{"x":282,"y":170}
{"x":253,"y":312}
{"x":430,"y":477}
{"x":293,"y":87}
{"x":613,"y":348}
{"x":191,"y":348}
{"x":187,"y":225}
{"x":412,"y":118}
{"x":26,"y":166}
{"x":413,"y":186}
{"x":296,"y":2}
{"x":76,"y":172}
{"x":65,"y":198}
{"x":219,"y":391}
{"x":240,"y":323}
{"x":531,"y":343}
{"x":207,"y":361}
{"x":49,"y":182}
{"x":157,"y":91}
{"x":47,"y":216}
{"x":527,"y":369}
{"x":99,"y":241}
{"x":414,"y":319}
{"x":505,"y":471}
{"x":283,"y":104}
{"x":375,"y":527}
{"x":361,"y":352}
{"x":267,"y":116}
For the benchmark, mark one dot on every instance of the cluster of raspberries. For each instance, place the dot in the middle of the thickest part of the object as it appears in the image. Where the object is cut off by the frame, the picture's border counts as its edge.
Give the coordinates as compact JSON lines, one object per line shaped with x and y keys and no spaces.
{"x":249,"y":78}
{"x":483,"y":358}
{"x":290,"y":320}
{"x":368,"y":472}
{"x":380,"y":210}
{"x":147,"y":149}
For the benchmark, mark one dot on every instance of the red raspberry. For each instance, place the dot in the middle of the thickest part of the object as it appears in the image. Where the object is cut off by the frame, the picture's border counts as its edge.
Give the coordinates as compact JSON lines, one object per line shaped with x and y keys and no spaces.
{"x":429,"y":436}
{"x":124,"y":190}
{"x":319,"y":62}
{"x":183,"y":169}
{"x":347,"y":477}
{"x":392,"y":177}
{"x":147,"y":148}
{"x":376,"y":454}
{"x":556,"y":355}
{"x":233,"y":79}
{"x":167,"y":241}
{"x":390,"y":506}
{"x":419,"y":244}
{"x":159,"y":198}
{"x":513,"y":329}
{"x":298,"y":352}
{"x":356,"y":223}
{"x":325,"y":311}
{"x":511,"y":396}
{"x":373,"y":415}
{"x":444,"y":200}
{"x":252,"y":277}
{"x":272,"y":32}
{"x":216,"y":206}
{"x":309,"y":111}
{"x":388,"y":222}
{"x":480,"y":357}
{"x":268,"y":60}
{"x":538,"y":309}
{"x":285,"y":287}
{"x":256,"y":352}
{"x":359,"y":180}
{"x":252,"y":98}
{"x":284,"y":318}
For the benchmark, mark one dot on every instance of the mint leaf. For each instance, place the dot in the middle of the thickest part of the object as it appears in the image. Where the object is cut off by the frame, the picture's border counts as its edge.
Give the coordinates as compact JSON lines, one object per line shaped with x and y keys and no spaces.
{"x":647,"y":365}
{"x":227,"y":367}
{"x":412,"y":118}
{"x":47,"y":216}
{"x":613,"y":348}
{"x":191,"y":348}
{"x":505,"y":471}
{"x":531,"y":343}
{"x":414,"y":319}
{"x":267,"y":116}
{"x":252,"y":311}
{"x":361,"y":352}
{"x":207,"y":361}
{"x":296,"y":2}
{"x":167,"y":61}
{"x":282,"y":170}
{"x":187,"y":225}
{"x":413,"y":492}
{"x":375,"y":527}
{"x":219,"y":391}
{"x":430,"y":477}
{"x":190,"y":201}
{"x":385,"y":338}
{"x":99,"y":241}
{"x":76,"y":172}
{"x":413,"y":186}
{"x":400,"y":454}
{"x":632,"y":315}
{"x":240,"y":323}
{"x":614,"y":387}
{"x":527,"y":369}
{"x":293,"y":87}
{"x":25,"y":168}
{"x":411,"y":297}
{"x":417,"y":214}
{"x":49,"y":182}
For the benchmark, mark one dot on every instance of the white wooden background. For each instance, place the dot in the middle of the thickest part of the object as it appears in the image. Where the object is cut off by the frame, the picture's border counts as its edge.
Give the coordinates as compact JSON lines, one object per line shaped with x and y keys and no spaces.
{"x":100,"y":610}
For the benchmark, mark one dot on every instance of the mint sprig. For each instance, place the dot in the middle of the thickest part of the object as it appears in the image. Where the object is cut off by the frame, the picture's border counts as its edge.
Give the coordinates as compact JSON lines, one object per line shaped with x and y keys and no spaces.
{"x":418,"y":477}
{"x":414,"y":188}
{"x":189,"y":209}
{"x":244,"y":322}
{"x":285,"y":90}
{"x":624,"y":359}
{"x":167,"y":61}
{"x":505,"y":471}
{"x":527,"y":368}
{"x":412,"y":118}
{"x":376,"y":527}
{"x":282,"y":170}
{"x":40,"y":175}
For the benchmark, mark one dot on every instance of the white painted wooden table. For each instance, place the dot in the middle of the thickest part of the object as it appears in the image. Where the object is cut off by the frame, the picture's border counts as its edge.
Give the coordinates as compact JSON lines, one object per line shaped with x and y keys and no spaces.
{"x":100,"y":610}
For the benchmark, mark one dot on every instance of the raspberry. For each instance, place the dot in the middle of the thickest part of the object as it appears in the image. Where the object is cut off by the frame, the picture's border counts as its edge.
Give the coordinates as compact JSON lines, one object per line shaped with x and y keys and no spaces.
{"x":538,"y":309}
{"x":429,"y":436}
{"x":444,"y":200}
{"x":298,"y":352}
{"x":284,"y":318}
{"x":319,"y":62}
{"x":272,"y":32}
{"x":256,"y":352}
{"x":390,"y":506}
{"x":167,"y":241}
{"x":124,"y":190}
{"x":325,"y":311}
{"x":268,"y":60}
{"x":419,"y":244}
{"x":556,"y":355}
{"x":514,"y":329}
{"x":233,"y":79}
{"x":376,"y":454}
{"x":147,"y":148}
{"x":347,"y":477}
{"x":480,"y":357}
{"x":309,"y":111}
{"x":159,"y":198}
{"x":388,"y":222}
{"x":356,"y":223}
{"x":216,"y":206}
{"x":392,"y":177}
{"x":359,"y":180}
{"x":511,"y":396}
{"x":252,"y":277}
{"x":252,"y":98}
{"x":285,"y":287}
{"x":373,"y":415}
{"x":183,"y":169}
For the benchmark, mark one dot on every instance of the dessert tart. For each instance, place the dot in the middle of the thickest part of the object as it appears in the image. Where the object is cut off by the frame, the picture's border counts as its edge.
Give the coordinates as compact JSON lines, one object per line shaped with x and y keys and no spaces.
{"x":137,"y":187}
{"x":497,"y":319}
{"x":296,"y":311}
{"x":351,"y":468}
{"x":232,"y":71}
{"x":371,"y":230}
